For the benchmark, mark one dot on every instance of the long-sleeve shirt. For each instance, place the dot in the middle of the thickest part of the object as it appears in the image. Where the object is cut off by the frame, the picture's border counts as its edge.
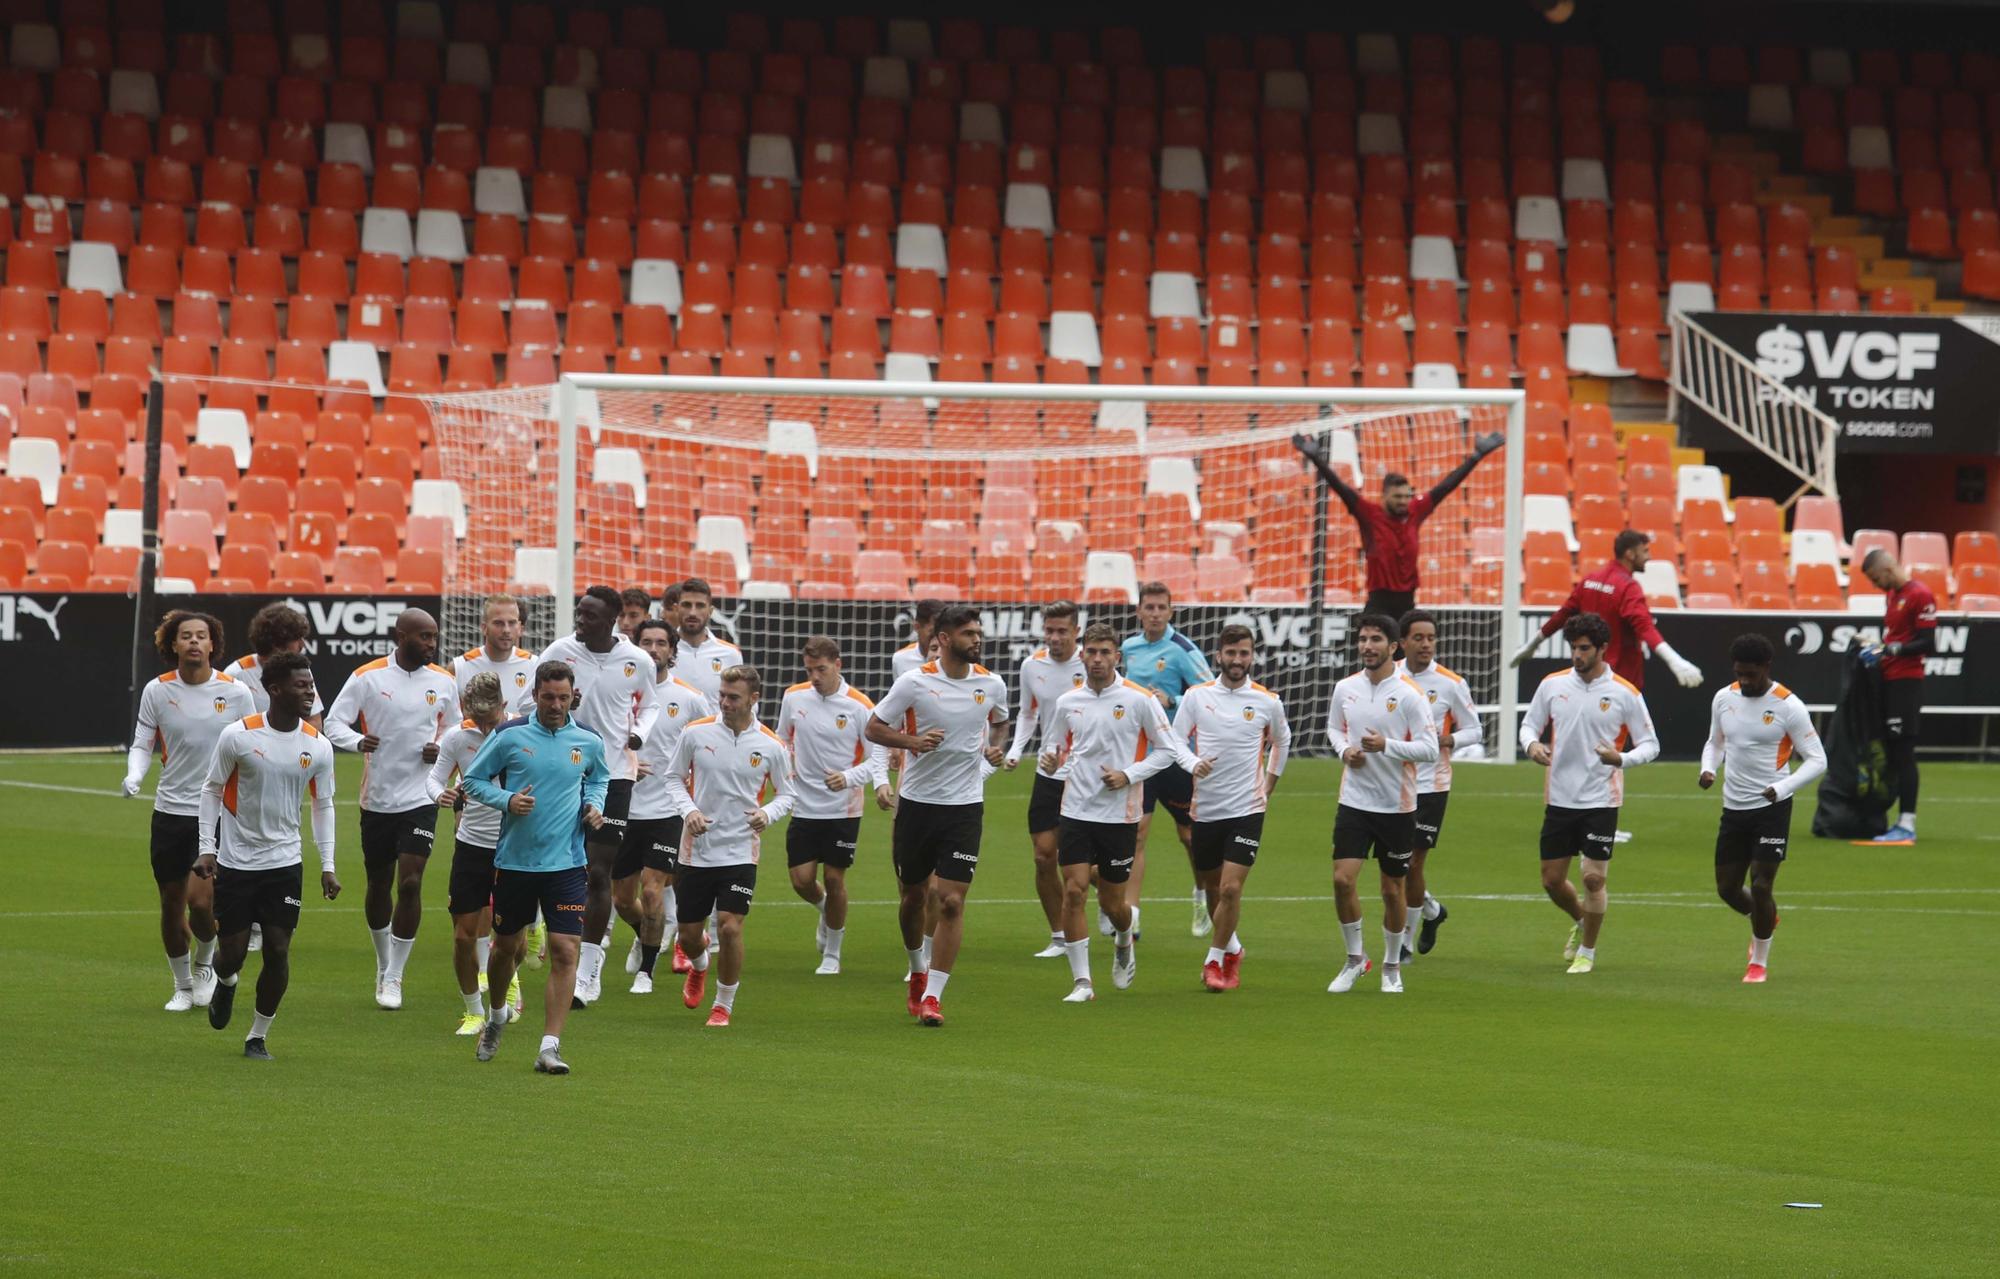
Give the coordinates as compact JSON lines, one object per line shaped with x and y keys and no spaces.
{"x":565,"y":766}
{"x":247,"y":669}
{"x":476,"y":824}
{"x":615,"y":696}
{"x":1123,"y":728}
{"x":1616,"y":596}
{"x":1909,"y":621}
{"x":405,"y":711}
{"x":1752,"y":741}
{"x":1166,"y":667}
{"x":723,"y":774}
{"x":1389,"y":543}
{"x":256,"y":784}
{"x":1386,"y":781}
{"x":184,"y":721}
{"x":1577,"y":716}
{"x":1456,"y":718}
{"x":927,"y":698}
{"x":1043,"y":682}
{"x":702,"y":664}
{"x":681,"y":704}
{"x":1245,"y":733}
{"x":516,"y":673}
{"x":829,"y":734}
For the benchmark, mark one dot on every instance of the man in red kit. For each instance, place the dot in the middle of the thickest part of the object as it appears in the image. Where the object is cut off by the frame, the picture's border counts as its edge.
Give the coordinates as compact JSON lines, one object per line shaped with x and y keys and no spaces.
{"x":1389,"y":527}
{"x":1613,"y":593}
{"x":1909,"y":633}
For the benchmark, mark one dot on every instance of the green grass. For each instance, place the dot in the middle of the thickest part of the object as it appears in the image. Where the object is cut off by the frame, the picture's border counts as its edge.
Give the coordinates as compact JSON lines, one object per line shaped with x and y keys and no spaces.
{"x":1500,"y":1117}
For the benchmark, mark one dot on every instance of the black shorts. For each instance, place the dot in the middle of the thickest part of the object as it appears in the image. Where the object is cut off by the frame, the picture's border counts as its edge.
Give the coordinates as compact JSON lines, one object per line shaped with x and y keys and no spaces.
{"x":1902,"y":707}
{"x":701,"y":891}
{"x":267,"y":898}
{"x":1109,"y":846}
{"x":1045,"y":805}
{"x":1578,"y":832}
{"x":1754,"y":834}
{"x":1430,"y":818}
{"x":1173,"y":787}
{"x":936,"y":839}
{"x":388,"y":836}
{"x":1233,"y":839}
{"x":176,"y":843}
{"x":559,"y":894}
{"x":471,"y":888}
{"x":1359,"y":834}
{"x":830,"y":840}
{"x":650,"y":843}
{"x":617,"y":806}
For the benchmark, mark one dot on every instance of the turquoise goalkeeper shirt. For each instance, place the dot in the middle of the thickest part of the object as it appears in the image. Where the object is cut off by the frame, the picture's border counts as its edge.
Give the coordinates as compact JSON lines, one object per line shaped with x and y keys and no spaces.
{"x":566,"y":768}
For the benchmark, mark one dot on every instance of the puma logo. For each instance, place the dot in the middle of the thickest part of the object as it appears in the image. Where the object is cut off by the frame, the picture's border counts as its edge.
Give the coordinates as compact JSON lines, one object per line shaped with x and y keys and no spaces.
{"x":26,"y":605}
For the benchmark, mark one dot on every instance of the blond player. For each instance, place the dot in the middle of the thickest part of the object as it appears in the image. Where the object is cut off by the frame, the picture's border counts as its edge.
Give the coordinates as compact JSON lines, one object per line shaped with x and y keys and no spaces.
{"x":946,"y":716}
{"x":475,"y":834}
{"x":394,"y":711}
{"x":1458,"y":728}
{"x":1053,"y":669}
{"x":1755,"y":729}
{"x":716,"y":781}
{"x":182,"y":714}
{"x":1380,"y":725}
{"x":499,"y":653}
{"x":824,"y":723}
{"x":265,"y":768}
{"x":1114,"y":735}
{"x":653,"y":830}
{"x":1597,"y":727}
{"x":1237,"y":727}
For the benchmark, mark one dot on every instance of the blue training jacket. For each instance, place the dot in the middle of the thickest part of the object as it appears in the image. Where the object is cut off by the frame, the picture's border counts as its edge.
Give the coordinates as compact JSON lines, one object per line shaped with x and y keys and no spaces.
{"x":1168,"y":666}
{"x":566,"y":768}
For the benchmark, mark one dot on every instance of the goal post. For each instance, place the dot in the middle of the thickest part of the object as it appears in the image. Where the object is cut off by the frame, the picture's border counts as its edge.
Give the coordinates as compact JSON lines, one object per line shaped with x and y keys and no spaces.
{"x":830,"y":506}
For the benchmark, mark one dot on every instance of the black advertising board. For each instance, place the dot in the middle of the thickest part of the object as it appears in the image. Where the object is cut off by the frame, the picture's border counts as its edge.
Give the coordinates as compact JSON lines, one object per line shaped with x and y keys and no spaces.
{"x":1895,"y":383}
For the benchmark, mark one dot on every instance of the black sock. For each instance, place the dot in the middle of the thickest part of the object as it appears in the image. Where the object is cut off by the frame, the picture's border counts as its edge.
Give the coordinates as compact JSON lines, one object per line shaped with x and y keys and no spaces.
{"x":647,"y":956}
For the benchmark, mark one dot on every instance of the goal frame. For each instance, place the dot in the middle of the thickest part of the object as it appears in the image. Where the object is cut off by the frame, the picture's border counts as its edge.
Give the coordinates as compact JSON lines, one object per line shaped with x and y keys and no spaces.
{"x":567,"y":404}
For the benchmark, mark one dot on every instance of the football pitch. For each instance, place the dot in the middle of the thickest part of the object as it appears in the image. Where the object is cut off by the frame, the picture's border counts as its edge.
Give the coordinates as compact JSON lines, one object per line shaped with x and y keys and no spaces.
{"x":1500,"y":1117}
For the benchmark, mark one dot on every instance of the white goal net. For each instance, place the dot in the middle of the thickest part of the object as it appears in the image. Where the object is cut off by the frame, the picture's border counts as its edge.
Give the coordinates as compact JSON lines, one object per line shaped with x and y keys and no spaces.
{"x":830,"y":508}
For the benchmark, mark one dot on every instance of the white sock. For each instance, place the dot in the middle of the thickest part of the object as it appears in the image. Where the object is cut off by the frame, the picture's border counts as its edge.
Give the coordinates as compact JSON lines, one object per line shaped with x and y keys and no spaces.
{"x":1412,"y":916}
{"x":1586,"y":952}
{"x":183,"y":968}
{"x":482,"y":950}
{"x":591,"y":963}
{"x":1431,"y":907}
{"x":1122,"y":939}
{"x":1235,"y":946}
{"x":820,"y":906}
{"x":1057,"y":938}
{"x":551,"y":1043}
{"x":926,"y":967}
{"x":1215,"y":955}
{"x":500,"y":1014}
{"x":1760,"y":950}
{"x":475,"y":1004}
{"x":920,"y":958}
{"x":833,"y":936}
{"x":608,"y":929}
{"x":934,"y":984}
{"x":700,"y":961}
{"x":1908,"y":821}
{"x":670,"y":905}
{"x":380,"y":936}
{"x":1135,"y":919}
{"x":260,"y":1024}
{"x":1079,"y":959}
{"x":399,"y":956}
{"x":1392,"y":947}
{"x":1352,"y":934}
{"x":231,"y":979}
{"x":1201,"y":897}
{"x":204,"y":953}
{"x":725,"y":995}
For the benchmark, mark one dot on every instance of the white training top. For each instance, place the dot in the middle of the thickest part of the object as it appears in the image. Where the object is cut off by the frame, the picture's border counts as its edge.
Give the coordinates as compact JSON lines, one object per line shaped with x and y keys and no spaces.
{"x":1456,"y":718}
{"x":1123,"y":728}
{"x":1043,"y":681}
{"x":405,"y":711}
{"x":702,"y":665}
{"x":516,"y":672}
{"x":723,"y":774}
{"x":1245,"y":733}
{"x":1396,"y":708}
{"x":1751,"y":741}
{"x":680,"y":705}
{"x":185,"y":721}
{"x":1580,"y":715}
{"x":259,"y":779}
{"x":246,"y":670}
{"x":828,"y":734}
{"x":477,"y":824}
{"x":927,"y":698}
{"x":904,"y":660}
{"x":615,"y":696}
